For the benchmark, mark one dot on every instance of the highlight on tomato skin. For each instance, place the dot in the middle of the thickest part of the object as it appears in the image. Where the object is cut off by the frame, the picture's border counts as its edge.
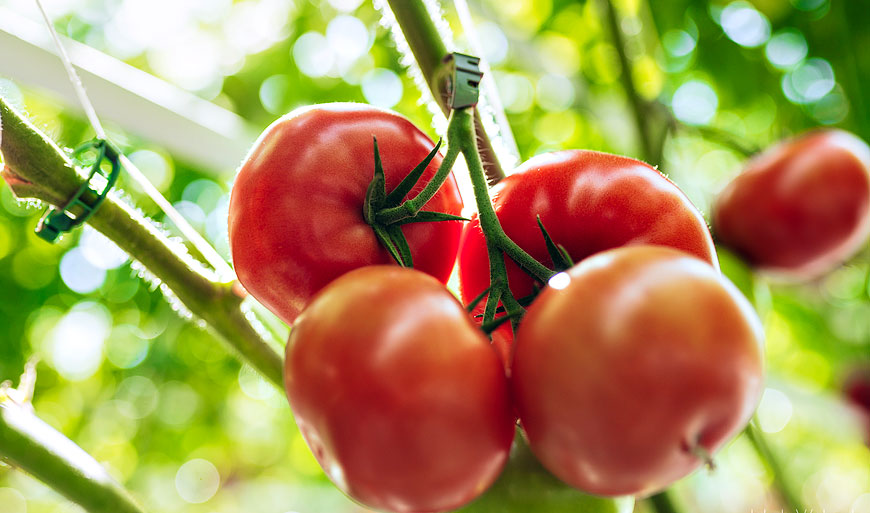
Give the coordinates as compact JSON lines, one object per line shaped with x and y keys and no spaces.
{"x":399,"y":395}
{"x":296,"y":217}
{"x":588,"y":201}
{"x":801,"y":208}
{"x":630,"y":365}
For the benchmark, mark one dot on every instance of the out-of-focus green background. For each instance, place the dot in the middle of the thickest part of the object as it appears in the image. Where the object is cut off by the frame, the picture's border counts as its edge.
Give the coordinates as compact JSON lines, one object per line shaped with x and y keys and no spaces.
{"x":178,"y":420}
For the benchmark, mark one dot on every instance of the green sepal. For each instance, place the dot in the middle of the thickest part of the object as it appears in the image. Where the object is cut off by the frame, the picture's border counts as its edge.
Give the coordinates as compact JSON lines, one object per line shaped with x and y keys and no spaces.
{"x":476,"y":301}
{"x":427,"y":216}
{"x":384,"y":238}
{"x":377,"y":190}
{"x":394,"y":198}
{"x":524,"y":301}
{"x":489,"y":327}
{"x":558,"y":254}
{"x":401,"y":243}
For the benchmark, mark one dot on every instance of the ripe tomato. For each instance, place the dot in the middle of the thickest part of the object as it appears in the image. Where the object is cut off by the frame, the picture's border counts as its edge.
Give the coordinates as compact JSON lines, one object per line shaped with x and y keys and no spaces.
{"x":589,"y":202}
{"x":801,"y":207}
{"x":296,"y":211}
{"x":400,"y":397}
{"x":629,"y":360}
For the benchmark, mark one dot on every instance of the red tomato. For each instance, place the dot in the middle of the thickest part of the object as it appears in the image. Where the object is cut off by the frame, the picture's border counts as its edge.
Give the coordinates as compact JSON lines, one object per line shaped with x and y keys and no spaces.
{"x":296,"y":211}
{"x":630,"y":359}
{"x":589,"y":202}
{"x":801,"y":207}
{"x":399,"y":395}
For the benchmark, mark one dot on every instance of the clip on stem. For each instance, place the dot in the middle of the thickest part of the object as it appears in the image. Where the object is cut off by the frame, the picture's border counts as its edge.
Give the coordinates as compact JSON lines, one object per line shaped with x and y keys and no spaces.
{"x":57,"y":221}
{"x":463,"y":85}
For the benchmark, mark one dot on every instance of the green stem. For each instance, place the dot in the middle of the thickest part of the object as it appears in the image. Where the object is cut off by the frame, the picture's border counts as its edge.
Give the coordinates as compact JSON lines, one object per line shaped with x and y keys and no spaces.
{"x":724,"y":138}
{"x":429,"y":51}
{"x":461,"y":130}
{"x":411,"y":207}
{"x":789,"y":497}
{"x":41,"y":170}
{"x":637,"y":103}
{"x":32,"y":445}
{"x":662,"y":502}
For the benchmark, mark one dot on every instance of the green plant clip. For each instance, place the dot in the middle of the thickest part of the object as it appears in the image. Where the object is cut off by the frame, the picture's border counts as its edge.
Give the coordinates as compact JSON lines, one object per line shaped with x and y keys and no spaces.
{"x":463,"y":86}
{"x":82,"y":206}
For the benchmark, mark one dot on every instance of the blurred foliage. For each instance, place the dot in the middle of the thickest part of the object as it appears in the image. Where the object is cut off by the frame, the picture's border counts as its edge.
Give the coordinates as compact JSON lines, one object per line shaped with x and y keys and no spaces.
{"x":188,"y":429}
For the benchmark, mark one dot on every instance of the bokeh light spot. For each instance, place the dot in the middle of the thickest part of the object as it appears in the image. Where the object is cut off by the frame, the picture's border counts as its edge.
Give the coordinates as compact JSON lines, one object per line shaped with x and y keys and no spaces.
{"x":786,"y":48}
{"x":382,"y":88}
{"x":695,"y":103}
{"x":774,"y":411}
{"x":76,"y":342}
{"x":197,"y":481}
{"x":744,"y":24}
{"x":313,"y":55}
{"x":79,"y":274}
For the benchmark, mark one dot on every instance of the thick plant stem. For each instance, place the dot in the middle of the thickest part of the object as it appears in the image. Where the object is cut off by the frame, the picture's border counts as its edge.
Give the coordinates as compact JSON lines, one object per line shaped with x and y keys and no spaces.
{"x":790,"y":499}
{"x":37,"y":168}
{"x":32,"y":445}
{"x":637,"y":103}
{"x":461,"y":130}
{"x":429,"y":52}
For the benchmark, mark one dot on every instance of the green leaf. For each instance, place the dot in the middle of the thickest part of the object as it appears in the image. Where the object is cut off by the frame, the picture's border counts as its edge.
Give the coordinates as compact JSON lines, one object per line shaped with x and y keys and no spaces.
{"x":398,"y":194}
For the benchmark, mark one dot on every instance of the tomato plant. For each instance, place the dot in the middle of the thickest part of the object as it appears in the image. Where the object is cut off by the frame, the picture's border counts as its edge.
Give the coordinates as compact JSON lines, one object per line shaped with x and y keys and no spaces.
{"x":400,"y":397}
{"x":800,"y":208}
{"x":631,"y":365}
{"x":589,"y":202}
{"x":296,"y":211}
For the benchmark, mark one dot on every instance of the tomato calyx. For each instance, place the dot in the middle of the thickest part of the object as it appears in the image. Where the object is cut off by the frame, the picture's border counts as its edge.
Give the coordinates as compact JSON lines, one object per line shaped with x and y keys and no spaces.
{"x":558,"y":254}
{"x":387,"y":212}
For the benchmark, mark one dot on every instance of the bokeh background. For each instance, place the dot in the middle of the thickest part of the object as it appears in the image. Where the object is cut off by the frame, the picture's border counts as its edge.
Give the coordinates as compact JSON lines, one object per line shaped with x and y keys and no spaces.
{"x":164,"y":406}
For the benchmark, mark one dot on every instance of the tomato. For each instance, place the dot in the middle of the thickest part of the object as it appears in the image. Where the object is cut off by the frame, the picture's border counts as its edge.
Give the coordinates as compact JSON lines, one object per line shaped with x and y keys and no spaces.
{"x":296,"y":211}
{"x":588,"y":202}
{"x":629,"y":363}
{"x":801,"y":207}
{"x":398,"y":394}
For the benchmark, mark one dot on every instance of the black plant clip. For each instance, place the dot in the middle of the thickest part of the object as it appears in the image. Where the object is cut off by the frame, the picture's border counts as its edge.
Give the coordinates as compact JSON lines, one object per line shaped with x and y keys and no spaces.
{"x":88,"y":197}
{"x":463,"y":84}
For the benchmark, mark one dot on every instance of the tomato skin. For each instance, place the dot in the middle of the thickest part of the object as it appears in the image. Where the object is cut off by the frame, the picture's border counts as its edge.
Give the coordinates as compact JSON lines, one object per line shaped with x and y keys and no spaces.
{"x":296,"y":220}
{"x":399,"y":395}
{"x":627,"y":360}
{"x":800,"y":208}
{"x":589,"y":202}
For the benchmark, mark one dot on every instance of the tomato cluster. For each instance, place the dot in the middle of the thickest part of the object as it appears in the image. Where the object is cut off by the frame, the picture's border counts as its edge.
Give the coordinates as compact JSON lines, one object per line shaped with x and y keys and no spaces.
{"x":627,"y":370}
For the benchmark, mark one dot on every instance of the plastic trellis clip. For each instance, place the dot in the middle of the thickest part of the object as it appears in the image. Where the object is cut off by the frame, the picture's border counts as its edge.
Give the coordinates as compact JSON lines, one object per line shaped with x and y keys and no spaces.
{"x":83,"y":204}
{"x":464,"y":83}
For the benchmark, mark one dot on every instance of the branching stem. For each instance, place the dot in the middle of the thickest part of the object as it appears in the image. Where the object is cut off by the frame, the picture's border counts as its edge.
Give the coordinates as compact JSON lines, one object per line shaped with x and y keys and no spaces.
{"x":37,"y":168}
